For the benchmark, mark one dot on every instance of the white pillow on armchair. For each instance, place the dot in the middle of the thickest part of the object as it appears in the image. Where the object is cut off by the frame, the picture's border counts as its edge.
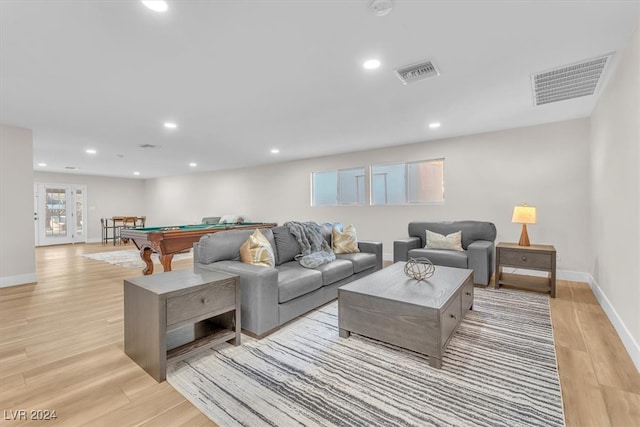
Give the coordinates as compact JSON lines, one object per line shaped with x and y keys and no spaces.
{"x":451,"y":241}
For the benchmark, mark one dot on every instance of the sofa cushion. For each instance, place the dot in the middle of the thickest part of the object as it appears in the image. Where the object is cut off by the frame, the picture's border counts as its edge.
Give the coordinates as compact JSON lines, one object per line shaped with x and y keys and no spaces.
{"x":257,"y":250}
{"x":361,"y":261}
{"x":286,"y":245}
{"x":344,"y":242}
{"x":335,"y":270}
{"x":451,"y":241}
{"x":225,"y":245}
{"x":295,"y":280}
{"x":442,"y":257}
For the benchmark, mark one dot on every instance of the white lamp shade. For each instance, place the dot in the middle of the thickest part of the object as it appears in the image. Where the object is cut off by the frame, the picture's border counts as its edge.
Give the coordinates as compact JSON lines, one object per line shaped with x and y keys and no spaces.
{"x":524,"y":214}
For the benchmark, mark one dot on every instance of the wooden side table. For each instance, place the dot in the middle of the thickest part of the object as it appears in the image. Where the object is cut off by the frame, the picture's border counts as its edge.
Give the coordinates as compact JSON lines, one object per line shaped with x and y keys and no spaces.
{"x":534,"y":257}
{"x":173,"y":314}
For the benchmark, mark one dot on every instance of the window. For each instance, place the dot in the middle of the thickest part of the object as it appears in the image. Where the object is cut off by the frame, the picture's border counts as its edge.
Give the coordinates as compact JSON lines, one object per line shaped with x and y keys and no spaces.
{"x":338,"y":187}
{"x":408,"y":183}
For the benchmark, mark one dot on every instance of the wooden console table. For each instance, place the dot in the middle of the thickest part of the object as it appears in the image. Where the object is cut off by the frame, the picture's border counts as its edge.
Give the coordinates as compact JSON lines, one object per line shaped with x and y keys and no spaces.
{"x":173,"y":314}
{"x":534,"y":257}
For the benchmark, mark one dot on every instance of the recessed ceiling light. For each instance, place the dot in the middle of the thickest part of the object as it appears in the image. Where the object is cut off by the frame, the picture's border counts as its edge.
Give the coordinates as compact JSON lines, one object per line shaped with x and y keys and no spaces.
{"x":434,"y":125}
{"x":193,"y":164}
{"x":90,"y":151}
{"x":156,"y":5}
{"x":170,"y":125}
{"x":136,"y":173}
{"x":371,"y":64}
{"x":274,"y":151}
{"x":42,"y":164}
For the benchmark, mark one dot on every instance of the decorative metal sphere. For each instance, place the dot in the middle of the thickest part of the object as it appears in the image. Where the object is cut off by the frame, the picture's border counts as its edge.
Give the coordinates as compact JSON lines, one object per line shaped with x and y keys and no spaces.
{"x":419,"y":268}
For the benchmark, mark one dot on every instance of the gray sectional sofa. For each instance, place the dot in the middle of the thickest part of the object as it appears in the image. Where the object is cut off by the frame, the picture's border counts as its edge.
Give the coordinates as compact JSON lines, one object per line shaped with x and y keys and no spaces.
{"x":273,"y":296}
{"x":477,"y":243}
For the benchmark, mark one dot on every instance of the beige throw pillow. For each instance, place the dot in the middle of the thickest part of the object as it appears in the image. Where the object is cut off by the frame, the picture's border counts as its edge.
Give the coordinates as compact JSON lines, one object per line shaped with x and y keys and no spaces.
{"x":451,"y":241}
{"x":344,"y":242}
{"x":257,"y":250}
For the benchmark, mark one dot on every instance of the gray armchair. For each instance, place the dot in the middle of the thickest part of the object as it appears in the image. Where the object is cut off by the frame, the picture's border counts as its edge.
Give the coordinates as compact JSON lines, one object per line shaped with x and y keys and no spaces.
{"x":478,"y":242}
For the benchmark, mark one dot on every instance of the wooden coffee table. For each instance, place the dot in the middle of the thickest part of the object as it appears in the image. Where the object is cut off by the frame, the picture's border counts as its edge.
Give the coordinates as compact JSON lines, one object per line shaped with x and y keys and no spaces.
{"x":416,"y":315}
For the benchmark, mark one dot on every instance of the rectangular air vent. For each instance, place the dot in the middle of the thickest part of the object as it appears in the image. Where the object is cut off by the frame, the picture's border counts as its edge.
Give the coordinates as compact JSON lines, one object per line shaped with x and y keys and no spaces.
{"x":568,"y":82}
{"x":416,"y":72}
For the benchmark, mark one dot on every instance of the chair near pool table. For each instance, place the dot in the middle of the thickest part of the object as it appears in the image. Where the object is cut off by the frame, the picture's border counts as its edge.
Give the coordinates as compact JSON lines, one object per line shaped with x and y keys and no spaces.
{"x":211,"y":220}
{"x":110,"y":229}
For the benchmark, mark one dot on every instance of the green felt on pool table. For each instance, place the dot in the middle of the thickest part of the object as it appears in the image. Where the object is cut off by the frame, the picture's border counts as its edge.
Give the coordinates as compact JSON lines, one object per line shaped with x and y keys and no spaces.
{"x":193,"y":227}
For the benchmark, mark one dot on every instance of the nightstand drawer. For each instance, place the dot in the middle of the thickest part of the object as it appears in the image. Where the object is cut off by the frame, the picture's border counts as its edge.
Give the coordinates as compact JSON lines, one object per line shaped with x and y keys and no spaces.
{"x":204,"y":301}
{"x":525,"y":259}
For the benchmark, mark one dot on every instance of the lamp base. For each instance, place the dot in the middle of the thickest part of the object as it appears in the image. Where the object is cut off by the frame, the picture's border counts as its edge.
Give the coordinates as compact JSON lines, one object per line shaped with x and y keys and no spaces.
{"x":524,"y":236}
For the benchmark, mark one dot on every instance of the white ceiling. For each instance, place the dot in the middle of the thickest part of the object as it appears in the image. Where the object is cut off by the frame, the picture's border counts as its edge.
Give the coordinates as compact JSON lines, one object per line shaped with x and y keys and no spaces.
{"x":242,"y":77}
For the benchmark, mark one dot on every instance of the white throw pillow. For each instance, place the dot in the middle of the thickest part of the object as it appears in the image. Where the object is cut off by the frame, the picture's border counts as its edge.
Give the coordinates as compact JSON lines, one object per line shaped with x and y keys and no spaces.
{"x":451,"y":241}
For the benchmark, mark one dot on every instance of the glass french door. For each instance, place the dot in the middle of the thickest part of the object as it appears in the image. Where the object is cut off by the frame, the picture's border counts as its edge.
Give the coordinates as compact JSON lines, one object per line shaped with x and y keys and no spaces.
{"x":59,"y":214}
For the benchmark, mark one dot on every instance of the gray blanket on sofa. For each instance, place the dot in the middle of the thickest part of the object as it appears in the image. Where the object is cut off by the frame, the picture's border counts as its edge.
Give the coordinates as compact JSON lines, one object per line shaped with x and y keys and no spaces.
{"x":315,"y":249}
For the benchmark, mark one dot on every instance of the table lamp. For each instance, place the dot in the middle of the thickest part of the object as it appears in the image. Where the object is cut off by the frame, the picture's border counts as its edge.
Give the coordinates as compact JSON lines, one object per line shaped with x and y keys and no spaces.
{"x":524,"y":215}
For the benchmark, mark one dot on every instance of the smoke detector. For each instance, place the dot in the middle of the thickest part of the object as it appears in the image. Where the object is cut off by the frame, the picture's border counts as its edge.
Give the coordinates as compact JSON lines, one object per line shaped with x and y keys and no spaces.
{"x":381,"y":7}
{"x":416,"y":72}
{"x":570,"y":81}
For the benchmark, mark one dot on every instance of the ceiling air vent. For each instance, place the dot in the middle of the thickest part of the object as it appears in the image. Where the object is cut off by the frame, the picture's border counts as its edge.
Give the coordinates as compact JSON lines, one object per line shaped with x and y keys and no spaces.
{"x":571,"y":81}
{"x":416,"y":72}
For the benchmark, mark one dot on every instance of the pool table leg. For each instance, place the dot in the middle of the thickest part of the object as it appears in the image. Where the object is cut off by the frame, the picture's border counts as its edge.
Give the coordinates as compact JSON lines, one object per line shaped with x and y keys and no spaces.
{"x":165,"y":260}
{"x":145,"y":254}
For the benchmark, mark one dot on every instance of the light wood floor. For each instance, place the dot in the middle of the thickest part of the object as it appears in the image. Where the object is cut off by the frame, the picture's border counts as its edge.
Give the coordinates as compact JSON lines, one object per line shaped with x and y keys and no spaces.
{"x":61,"y":348}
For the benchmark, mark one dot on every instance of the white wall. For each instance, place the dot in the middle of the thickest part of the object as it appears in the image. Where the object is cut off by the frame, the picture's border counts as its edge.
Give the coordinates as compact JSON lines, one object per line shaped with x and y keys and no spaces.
{"x":485,"y":176}
{"x":615,"y":197}
{"x":106,"y":197}
{"x":17,"y":255}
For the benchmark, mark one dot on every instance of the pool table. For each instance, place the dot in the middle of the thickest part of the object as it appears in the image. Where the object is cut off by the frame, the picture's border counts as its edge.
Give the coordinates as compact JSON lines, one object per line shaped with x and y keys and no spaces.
{"x":170,"y":240}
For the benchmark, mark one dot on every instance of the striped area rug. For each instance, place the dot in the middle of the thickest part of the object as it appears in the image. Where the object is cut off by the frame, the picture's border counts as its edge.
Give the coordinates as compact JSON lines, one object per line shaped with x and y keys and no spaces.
{"x":499,"y":370}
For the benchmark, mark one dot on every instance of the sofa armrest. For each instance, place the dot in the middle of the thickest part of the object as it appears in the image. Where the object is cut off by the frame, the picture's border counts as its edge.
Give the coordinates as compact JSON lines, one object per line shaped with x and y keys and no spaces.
{"x":480,"y":255}
{"x":402,"y":247}
{"x":372,"y":248}
{"x":259,"y":287}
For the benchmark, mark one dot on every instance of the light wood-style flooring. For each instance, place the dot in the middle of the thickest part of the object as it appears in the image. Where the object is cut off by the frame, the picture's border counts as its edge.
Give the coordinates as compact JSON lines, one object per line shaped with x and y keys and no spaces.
{"x":61,"y":348}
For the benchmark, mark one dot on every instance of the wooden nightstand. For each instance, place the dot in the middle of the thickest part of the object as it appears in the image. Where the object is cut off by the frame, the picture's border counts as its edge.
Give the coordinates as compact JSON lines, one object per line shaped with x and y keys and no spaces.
{"x":173,"y":314}
{"x":534,"y":257}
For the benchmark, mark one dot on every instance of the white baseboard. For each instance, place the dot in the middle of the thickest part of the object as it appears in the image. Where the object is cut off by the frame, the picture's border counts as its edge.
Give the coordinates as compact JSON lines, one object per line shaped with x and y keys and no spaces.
{"x":627,"y":339}
{"x":574,"y":276}
{"x":20,"y":279}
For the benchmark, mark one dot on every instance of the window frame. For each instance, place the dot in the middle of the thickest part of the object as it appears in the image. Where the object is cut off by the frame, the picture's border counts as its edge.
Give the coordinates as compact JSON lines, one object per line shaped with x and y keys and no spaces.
{"x":337,"y":189}
{"x":406,"y":183}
